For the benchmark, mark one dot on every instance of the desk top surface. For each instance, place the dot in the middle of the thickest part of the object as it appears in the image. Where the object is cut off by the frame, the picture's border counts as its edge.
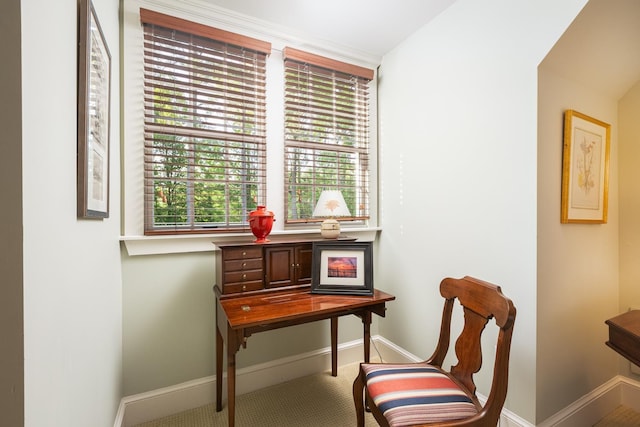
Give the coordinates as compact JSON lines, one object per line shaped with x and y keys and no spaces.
{"x":243,"y":312}
{"x":629,"y":322}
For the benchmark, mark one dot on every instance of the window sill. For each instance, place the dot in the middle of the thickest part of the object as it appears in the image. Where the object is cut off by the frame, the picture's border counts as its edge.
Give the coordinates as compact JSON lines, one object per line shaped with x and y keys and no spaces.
{"x":156,"y":245}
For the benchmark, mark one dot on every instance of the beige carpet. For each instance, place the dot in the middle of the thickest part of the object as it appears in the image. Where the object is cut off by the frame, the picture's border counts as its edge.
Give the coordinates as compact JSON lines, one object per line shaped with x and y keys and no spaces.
{"x":623,"y":416}
{"x":315,"y":401}
{"x":318,"y":400}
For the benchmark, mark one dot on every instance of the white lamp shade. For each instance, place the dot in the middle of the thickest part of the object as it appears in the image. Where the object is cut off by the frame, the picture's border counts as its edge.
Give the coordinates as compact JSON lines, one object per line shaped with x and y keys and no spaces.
{"x":331,"y":204}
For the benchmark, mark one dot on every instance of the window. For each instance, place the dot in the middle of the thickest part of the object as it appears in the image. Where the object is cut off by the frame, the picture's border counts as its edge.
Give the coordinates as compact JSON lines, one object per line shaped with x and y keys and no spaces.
{"x":196,"y":160}
{"x":204,"y":126}
{"x":326,"y":133}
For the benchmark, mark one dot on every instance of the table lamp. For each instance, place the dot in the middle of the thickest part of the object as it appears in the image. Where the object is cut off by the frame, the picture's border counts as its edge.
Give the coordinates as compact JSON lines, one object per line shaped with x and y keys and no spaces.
{"x":330,"y":205}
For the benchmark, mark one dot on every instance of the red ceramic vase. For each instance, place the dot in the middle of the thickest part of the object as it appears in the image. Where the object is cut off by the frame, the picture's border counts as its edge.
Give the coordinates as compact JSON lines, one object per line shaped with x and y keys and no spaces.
{"x":261,"y":221}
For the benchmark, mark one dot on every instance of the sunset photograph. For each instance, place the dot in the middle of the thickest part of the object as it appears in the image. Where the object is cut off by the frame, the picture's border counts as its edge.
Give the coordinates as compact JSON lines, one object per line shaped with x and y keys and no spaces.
{"x":342,"y":267}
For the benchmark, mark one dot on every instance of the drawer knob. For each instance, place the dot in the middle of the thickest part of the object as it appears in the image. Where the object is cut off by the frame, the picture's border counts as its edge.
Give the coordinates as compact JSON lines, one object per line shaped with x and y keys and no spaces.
{"x":244,"y":288}
{"x":244,"y":253}
{"x":244,"y":276}
{"x":244,"y":264}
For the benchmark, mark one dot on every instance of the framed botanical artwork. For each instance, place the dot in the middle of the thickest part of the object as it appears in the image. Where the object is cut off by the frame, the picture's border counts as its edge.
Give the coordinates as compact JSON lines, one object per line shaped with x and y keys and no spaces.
{"x":585,"y":169}
{"x":94,"y":86}
{"x":342,"y":268}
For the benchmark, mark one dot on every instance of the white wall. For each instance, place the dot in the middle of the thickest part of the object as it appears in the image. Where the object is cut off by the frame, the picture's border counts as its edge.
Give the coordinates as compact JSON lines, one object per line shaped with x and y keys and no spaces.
{"x":168,"y":302}
{"x":168,"y":314}
{"x":169,"y":333}
{"x":458,"y":197}
{"x":577,"y":263}
{"x":72,"y":278}
{"x":459,"y":165}
{"x":629,"y":175}
{"x":586,"y":273}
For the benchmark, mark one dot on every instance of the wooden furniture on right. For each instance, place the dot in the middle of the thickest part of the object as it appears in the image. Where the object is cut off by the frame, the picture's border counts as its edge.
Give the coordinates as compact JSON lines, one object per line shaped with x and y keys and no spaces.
{"x":424,"y":393}
{"x":624,"y":335}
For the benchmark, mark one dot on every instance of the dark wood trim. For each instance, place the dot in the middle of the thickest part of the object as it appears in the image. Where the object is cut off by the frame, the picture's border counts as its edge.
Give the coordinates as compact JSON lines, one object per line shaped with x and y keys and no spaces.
{"x":321,"y":61}
{"x":152,"y":17}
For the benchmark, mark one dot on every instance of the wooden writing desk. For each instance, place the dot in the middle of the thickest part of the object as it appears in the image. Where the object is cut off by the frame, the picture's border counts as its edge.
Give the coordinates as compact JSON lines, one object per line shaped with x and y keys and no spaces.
{"x":624,"y":335}
{"x":237,"y":318}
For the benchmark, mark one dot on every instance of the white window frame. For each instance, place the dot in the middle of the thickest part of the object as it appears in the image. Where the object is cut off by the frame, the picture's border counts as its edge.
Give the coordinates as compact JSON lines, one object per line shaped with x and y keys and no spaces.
{"x":132,"y":228}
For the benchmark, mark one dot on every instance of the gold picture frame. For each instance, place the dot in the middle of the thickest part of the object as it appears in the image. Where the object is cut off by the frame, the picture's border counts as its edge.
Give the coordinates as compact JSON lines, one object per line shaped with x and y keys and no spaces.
{"x":94,"y":106}
{"x":585,"y":169}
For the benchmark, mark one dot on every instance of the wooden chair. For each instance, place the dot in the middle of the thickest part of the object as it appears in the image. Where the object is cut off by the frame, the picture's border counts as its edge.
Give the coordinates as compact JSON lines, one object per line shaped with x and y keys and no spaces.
{"x":424,"y":394}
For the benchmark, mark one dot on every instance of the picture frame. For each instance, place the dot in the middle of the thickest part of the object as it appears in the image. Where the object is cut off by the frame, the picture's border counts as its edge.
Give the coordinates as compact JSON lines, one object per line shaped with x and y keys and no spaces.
{"x":585,"y":169}
{"x":94,"y":110}
{"x":342,"y":268}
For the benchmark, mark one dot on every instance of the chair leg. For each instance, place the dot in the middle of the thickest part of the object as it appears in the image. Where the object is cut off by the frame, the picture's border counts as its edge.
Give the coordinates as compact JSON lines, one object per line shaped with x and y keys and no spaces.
{"x":358,"y":398}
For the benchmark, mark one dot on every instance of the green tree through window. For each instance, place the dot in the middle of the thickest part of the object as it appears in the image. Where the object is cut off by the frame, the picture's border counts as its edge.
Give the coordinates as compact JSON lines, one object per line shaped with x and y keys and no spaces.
{"x":326,"y":133}
{"x":205,"y":139}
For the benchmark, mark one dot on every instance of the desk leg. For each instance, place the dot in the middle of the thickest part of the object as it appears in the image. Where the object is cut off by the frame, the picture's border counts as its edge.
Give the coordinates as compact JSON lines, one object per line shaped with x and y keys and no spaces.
{"x":231,"y":387}
{"x":334,"y":346}
{"x":233,"y":345}
{"x":219,"y":346}
{"x":366,"y":320}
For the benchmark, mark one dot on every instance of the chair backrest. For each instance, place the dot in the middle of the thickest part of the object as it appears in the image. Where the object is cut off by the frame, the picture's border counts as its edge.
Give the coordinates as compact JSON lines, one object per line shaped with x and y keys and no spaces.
{"x":481,"y":301}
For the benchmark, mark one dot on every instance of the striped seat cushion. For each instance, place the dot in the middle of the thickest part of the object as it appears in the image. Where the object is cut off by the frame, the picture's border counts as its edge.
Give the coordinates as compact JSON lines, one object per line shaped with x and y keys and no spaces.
{"x":409,"y":394}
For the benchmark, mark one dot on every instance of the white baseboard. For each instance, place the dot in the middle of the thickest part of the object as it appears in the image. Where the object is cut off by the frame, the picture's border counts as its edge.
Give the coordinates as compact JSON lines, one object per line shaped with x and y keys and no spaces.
{"x":592,"y":407}
{"x":154,"y":404}
{"x":390,"y":352}
{"x":158,"y":403}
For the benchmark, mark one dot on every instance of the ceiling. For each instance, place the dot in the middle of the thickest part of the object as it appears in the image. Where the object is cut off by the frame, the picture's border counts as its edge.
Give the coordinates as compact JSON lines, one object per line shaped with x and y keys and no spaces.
{"x":601,"y":48}
{"x":369,"y":27}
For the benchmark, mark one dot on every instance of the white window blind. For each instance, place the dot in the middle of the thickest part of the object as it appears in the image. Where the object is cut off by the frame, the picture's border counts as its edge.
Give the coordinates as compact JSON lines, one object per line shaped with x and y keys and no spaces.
{"x":204,"y":126}
{"x":326,"y":134}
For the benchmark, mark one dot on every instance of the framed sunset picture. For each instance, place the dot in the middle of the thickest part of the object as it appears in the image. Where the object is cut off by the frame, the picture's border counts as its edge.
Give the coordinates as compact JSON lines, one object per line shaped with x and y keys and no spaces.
{"x":342,"y":268}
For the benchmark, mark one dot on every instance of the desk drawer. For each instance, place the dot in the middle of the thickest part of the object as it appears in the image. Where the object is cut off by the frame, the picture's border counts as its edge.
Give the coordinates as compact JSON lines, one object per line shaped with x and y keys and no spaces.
{"x":243,"y":264}
{"x":624,"y":335}
{"x":244,"y":252}
{"x":232,"y":288}
{"x":242,"y":276}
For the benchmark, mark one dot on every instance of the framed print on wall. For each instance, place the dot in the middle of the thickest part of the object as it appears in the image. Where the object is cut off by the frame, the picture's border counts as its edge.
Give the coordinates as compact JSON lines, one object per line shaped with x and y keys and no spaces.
{"x":342,"y":268}
{"x":585,"y":169}
{"x":94,"y":86}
